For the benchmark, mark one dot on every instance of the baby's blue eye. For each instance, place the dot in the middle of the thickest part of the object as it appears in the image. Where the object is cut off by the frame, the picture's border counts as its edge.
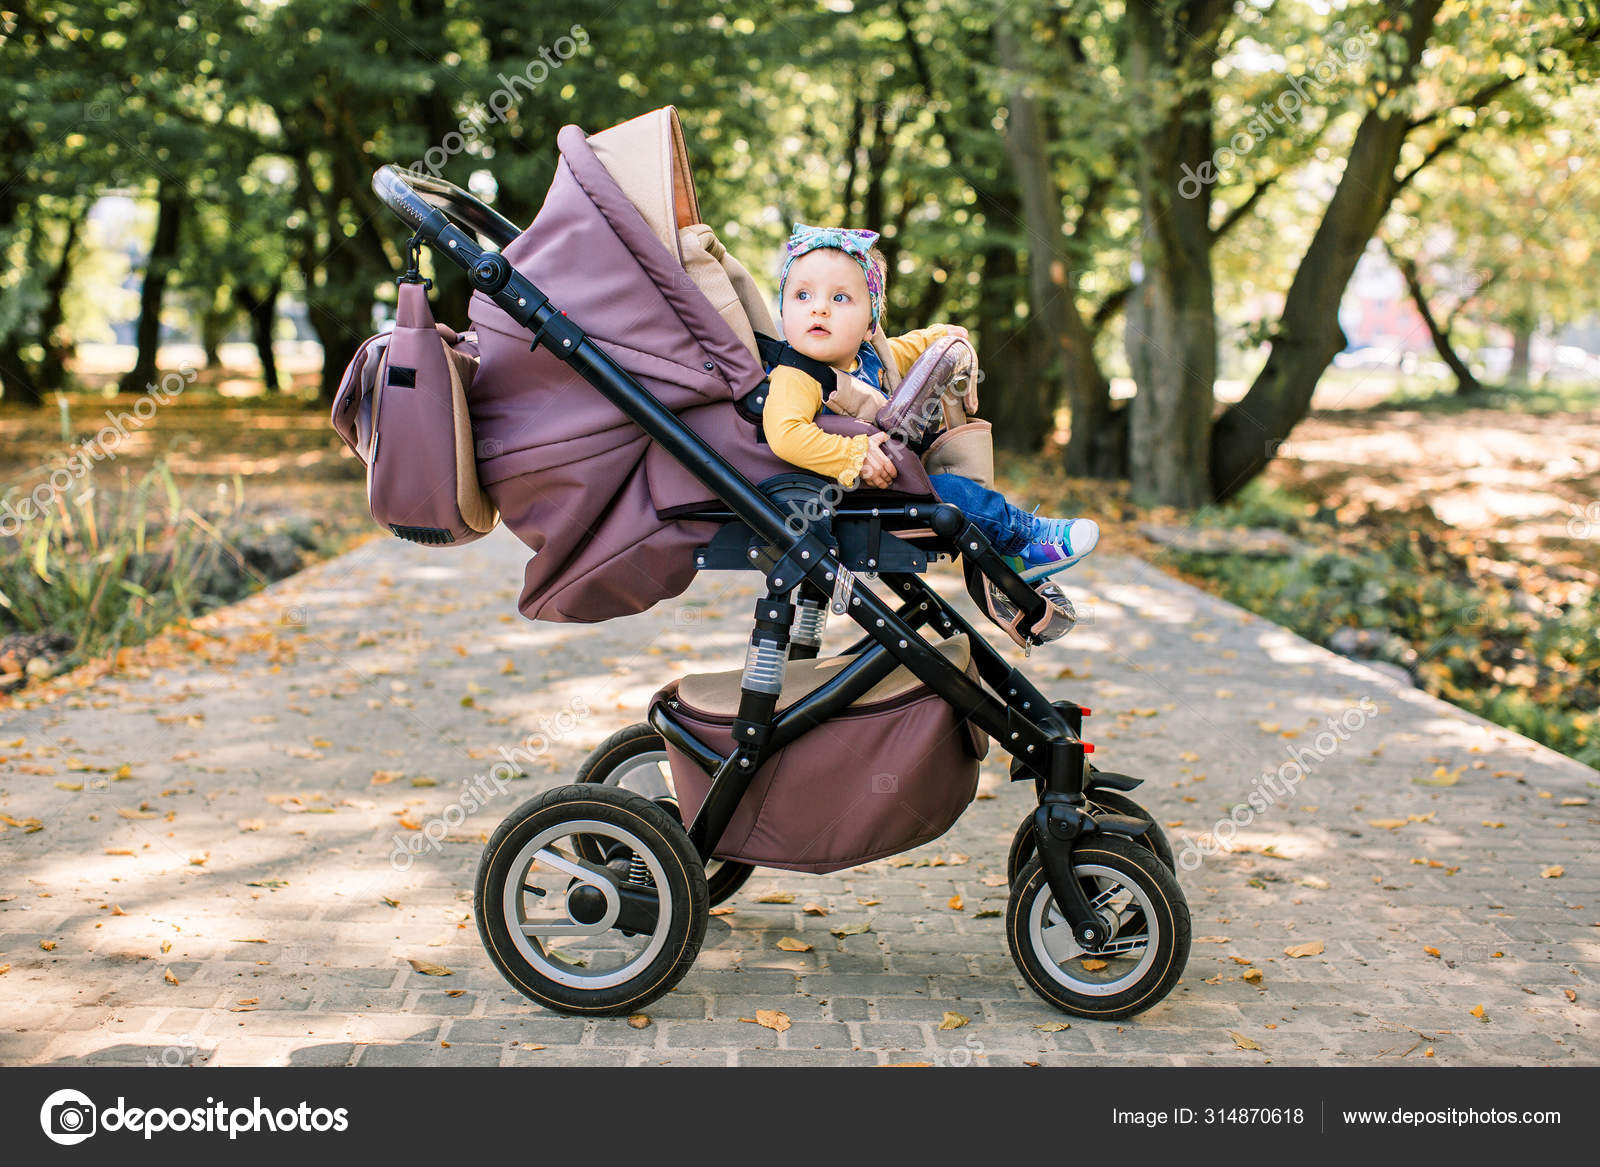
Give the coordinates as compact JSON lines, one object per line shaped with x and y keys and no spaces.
{"x":802,"y":295}
{"x":842,"y":297}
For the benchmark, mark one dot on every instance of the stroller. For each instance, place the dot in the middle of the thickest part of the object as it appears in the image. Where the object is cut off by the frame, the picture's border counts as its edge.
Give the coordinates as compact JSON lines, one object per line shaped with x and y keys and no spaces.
{"x":617,"y":430}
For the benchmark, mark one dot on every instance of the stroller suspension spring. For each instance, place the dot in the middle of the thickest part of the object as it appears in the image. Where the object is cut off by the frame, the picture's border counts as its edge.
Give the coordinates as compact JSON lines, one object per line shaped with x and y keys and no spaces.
{"x":764,"y":664}
{"x":809,"y":622}
{"x":639,"y":873}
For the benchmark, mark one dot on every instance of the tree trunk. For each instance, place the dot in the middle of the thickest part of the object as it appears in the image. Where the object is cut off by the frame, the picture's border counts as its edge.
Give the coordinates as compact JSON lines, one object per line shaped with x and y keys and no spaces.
{"x":16,"y":379}
{"x":1466,"y":383}
{"x":1173,"y":334}
{"x":1056,"y":325}
{"x":163,"y":252}
{"x":1247,"y":436}
{"x":263,"y":313}
{"x":341,"y":321}
{"x":215,"y":318}
{"x":53,"y":367}
{"x":1521,"y":347}
{"x":1009,"y":397}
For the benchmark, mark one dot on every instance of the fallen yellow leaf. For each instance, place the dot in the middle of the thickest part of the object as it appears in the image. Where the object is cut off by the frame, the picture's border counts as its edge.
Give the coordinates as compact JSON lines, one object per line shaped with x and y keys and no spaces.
{"x":955,"y":903}
{"x":169,"y":978}
{"x":814,"y":910}
{"x":48,"y":945}
{"x":1241,"y":1041}
{"x":773,"y":1019}
{"x":429,"y":970}
{"x":1251,"y":974}
{"x":776,"y":897}
{"x":1310,"y":948}
{"x":954,"y":1021}
{"x":1431,"y":950}
{"x":1477,"y":1011}
{"x":1090,"y":964}
{"x":790,"y":944}
{"x":639,"y":1021}
{"x":1555,"y":872}
{"x":1387,"y":824}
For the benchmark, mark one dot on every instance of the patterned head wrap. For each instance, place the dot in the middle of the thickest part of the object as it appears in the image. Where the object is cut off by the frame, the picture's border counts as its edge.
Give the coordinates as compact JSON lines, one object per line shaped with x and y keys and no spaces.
{"x":856,"y":244}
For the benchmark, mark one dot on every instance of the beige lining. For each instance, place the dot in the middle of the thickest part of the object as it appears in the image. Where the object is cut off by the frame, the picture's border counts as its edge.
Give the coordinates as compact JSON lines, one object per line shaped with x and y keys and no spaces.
{"x":717,"y":694}
{"x":471,"y":500}
{"x":649,"y":160}
{"x":967,"y":450}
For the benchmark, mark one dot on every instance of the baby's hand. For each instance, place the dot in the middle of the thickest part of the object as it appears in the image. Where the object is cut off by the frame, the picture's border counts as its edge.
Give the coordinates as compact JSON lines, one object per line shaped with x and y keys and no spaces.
{"x":957,"y":330}
{"x":878,"y":469}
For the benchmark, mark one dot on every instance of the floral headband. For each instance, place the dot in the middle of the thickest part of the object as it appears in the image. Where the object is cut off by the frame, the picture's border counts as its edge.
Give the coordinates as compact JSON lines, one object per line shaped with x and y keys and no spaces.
{"x":856,"y":244}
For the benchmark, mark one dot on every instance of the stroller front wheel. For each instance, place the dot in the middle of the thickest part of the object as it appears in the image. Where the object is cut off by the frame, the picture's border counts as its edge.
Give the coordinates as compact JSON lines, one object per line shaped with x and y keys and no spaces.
{"x":1146,"y":918}
{"x":635,"y":758}
{"x":581,"y":936}
{"x":1100,"y":802}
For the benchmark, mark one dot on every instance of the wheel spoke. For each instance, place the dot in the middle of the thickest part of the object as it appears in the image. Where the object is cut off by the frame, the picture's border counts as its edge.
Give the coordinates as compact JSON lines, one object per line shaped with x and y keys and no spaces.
{"x":1059,"y":941}
{"x":1123,"y":945}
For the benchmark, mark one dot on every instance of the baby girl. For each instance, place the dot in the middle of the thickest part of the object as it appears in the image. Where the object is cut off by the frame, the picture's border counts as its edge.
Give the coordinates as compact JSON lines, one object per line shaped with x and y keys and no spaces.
{"x":831,"y":301}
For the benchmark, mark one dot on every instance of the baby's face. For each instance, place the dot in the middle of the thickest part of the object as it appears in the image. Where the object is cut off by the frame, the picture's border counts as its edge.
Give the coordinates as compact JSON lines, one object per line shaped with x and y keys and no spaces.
{"x":826,"y":311}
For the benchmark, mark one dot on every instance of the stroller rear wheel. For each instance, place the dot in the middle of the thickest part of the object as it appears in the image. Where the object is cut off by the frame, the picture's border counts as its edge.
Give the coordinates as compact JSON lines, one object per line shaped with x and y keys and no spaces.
{"x":635,"y":759}
{"x":1146,"y":918}
{"x":582,"y":936}
{"x":1100,"y":802}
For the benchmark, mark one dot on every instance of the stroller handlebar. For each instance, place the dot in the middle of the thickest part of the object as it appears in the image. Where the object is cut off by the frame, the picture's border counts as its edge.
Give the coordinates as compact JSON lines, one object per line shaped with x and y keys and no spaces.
{"x":428,"y":204}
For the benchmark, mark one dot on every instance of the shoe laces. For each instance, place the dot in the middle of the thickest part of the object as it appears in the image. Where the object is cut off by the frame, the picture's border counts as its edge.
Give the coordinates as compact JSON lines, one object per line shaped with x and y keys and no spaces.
{"x":1055,"y":531}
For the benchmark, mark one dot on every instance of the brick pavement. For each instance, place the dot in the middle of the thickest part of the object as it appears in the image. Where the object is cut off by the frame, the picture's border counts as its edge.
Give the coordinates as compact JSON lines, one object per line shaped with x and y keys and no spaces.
{"x":248,"y":851}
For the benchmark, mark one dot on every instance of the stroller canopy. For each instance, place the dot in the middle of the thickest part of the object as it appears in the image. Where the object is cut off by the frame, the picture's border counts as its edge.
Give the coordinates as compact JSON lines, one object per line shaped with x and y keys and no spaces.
{"x":619,"y":247}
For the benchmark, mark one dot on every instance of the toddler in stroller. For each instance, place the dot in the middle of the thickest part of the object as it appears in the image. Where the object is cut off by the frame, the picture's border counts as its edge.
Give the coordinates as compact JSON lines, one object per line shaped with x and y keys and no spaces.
{"x":617,"y":430}
{"x":831,"y":295}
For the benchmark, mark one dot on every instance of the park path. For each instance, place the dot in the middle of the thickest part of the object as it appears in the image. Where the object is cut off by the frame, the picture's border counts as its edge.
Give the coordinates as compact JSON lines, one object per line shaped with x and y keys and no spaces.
{"x":225,"y":888}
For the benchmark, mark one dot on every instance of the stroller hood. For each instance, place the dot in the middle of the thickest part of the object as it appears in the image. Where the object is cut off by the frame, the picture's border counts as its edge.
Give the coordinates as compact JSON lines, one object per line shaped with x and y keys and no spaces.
{"x":618,"y":246}
{"x":563,"y":465}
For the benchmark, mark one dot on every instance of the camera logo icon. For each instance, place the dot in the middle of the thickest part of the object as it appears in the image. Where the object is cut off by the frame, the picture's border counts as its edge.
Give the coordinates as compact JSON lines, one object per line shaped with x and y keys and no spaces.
{"x":68,"y":1117}
{"x":885,"y":783}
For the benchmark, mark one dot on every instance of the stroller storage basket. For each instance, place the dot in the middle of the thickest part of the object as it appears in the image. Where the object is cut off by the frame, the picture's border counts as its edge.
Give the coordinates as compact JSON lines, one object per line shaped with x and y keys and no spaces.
{"x":891,"y":772}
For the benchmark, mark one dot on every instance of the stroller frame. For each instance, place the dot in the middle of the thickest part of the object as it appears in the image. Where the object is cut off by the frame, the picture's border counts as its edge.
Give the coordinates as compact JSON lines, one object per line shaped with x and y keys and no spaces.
{"x":1043,"y":737}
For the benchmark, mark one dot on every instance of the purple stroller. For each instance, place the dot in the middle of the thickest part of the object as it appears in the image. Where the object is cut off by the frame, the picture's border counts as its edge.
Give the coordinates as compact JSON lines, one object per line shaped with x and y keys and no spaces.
{"x":610,"y":406}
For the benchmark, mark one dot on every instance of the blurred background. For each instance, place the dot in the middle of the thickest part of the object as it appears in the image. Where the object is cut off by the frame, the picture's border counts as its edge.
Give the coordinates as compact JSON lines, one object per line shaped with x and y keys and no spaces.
{"x":1297,"y":298}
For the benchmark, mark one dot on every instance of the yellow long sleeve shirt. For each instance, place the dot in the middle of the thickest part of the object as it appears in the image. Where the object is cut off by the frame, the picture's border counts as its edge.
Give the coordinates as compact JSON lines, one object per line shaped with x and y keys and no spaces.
{"x":794,"y":399}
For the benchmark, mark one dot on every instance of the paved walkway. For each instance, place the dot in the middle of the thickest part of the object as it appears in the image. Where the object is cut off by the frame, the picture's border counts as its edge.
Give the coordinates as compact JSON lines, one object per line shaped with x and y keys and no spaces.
{"x":222,"y":890}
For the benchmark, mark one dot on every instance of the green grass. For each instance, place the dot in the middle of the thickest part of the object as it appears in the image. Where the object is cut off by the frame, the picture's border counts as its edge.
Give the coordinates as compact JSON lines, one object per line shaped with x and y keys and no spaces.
{"x":110,"y":568}
{"x":1474,"y":638}
{"x":1534,"y":401}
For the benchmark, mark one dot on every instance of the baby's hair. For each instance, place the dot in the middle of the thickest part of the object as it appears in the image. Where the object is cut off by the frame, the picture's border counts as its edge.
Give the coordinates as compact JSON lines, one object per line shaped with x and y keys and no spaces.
{"x":882,"y":264}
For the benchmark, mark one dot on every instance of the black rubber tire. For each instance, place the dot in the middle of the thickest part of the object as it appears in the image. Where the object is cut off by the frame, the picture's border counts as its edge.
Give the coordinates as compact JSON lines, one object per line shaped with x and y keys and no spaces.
{"x":1135,"y":866}
{"x":723,"y":877}
{"x":667,"y":841}
{"x":1101,"y":802}
{"x":1115,"y":802}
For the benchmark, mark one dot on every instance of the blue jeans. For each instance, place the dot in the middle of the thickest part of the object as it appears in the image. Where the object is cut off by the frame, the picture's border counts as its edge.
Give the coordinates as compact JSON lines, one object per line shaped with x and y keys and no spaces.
{"x":1009,"y":528}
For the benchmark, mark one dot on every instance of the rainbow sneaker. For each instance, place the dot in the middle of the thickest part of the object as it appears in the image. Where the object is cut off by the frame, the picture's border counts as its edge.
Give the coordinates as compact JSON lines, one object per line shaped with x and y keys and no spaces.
{"x":1061,"y":544}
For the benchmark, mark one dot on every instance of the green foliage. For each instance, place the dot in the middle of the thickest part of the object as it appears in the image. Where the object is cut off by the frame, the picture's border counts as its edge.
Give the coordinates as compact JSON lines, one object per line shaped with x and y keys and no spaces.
{"x":111,"y":568}
{"x":1519,"y":647}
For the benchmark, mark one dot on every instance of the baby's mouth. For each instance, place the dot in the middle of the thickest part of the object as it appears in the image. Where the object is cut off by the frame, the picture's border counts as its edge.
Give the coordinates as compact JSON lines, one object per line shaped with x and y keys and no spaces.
{"x":817,"y":330}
